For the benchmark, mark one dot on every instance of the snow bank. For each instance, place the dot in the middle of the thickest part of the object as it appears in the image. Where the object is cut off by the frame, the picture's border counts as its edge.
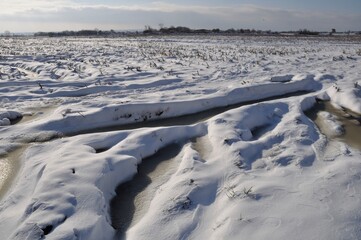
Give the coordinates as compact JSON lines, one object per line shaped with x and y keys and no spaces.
{"x":346,"y":96}
{"x":69,"y":120}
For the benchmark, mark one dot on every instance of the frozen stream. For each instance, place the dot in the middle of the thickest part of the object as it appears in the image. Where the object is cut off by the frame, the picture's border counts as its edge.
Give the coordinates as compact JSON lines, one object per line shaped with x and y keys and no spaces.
{"x":134,"y":197}
{"x":9,"y":165}
{"x":35,"y":113}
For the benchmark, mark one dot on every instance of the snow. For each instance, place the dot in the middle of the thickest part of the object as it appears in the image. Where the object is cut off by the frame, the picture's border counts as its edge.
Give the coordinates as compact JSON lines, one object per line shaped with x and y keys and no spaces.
{"x":262,"y":170}
{"x":6,"y":116}
{"x":348,"y":98}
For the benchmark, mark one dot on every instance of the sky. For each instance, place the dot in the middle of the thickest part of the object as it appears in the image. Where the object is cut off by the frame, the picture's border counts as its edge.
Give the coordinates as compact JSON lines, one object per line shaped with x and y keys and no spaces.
{"x":278,"y":15}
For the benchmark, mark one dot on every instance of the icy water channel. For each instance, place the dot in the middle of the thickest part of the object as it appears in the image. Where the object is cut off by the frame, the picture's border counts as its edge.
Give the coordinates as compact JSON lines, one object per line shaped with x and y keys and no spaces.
{"x":34,"y":113}
{"x":133,"y":198}
{"x":9,"y":166}
{"x":350,"y":121}
{"x":10,"y":163}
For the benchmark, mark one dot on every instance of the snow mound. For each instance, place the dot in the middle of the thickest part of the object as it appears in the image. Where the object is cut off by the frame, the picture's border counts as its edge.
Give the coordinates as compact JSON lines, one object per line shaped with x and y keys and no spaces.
{"x":348,"y":96}
{"x":6,"y":116}
{"x":70,"y":120}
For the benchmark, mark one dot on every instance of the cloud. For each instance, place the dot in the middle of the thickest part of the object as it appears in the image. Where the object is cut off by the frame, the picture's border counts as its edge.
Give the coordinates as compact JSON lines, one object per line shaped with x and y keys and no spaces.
{"x":9,"y":7}
{"x":60,"y":15}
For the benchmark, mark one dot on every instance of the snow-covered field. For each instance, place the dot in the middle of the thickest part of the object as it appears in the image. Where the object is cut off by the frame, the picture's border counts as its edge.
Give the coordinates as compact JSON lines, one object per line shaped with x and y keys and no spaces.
{"x":260,"y":171}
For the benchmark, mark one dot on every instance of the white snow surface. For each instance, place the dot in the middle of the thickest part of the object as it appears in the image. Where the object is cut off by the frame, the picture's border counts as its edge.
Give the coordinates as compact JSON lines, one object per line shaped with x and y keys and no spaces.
{"x":262,"y":171}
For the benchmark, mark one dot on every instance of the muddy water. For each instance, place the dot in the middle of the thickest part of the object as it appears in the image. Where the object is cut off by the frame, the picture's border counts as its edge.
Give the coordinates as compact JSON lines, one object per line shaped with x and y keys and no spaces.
{"x":10,"y":164}
{"x":35,"y":113}
{"x":349,"y":120}
{"x":9,"y":167}
{"x":133,"y":198}
{"x":203,"y":146}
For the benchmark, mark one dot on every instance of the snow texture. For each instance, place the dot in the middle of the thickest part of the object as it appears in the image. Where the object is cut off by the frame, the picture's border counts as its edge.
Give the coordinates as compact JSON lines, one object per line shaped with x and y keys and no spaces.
{"x":259,"y":171}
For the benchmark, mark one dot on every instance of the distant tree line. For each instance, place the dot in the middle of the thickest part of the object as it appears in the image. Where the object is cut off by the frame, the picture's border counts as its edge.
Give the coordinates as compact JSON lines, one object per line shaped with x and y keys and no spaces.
{"x":82,"y":33}
{"x":308,"y":32}
{"x":176,"y":31}
{"x":149,"y":31}
{"x":185,"y":30}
